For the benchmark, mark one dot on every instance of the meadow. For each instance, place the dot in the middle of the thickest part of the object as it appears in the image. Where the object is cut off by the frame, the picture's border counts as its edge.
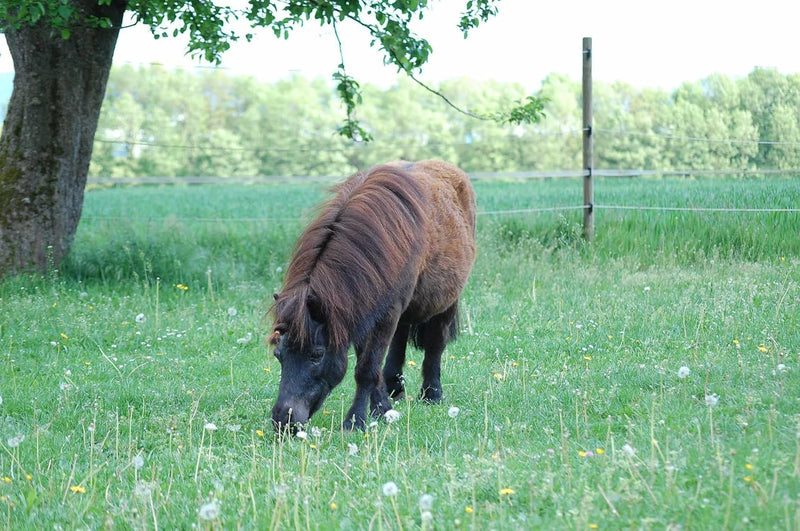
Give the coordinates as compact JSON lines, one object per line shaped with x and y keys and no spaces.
{"x":646,"y":380}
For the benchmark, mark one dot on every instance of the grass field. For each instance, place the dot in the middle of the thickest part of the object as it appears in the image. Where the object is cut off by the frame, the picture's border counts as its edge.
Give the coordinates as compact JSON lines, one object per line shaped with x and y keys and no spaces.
{"x":648,"y":380}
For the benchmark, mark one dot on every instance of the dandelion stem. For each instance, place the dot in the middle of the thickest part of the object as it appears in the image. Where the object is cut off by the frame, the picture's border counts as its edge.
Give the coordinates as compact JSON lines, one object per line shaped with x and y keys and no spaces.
{"x":199,"y":454}
{"x":210,"y":285}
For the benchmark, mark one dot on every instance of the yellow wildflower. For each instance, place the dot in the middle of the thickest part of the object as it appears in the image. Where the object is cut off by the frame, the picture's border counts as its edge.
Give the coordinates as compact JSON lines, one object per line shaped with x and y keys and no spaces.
{"x":77,"y":489}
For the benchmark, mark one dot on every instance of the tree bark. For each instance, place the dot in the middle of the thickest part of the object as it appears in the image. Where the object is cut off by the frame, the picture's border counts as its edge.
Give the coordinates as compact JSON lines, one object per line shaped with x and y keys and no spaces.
{"x":47,"y":137}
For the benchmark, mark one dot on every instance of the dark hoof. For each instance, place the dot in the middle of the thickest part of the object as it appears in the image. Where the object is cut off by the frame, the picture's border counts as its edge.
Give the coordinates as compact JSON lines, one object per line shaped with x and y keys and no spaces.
{"x":398,"y":395}
{"x":379,"y":410}
{"x":431,"y":394}
{"x":395,"y":387}
{"x":353,"y":423}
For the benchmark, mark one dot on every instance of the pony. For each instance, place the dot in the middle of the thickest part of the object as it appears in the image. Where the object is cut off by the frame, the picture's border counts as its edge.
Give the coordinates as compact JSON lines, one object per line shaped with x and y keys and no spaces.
{"x":383,"y":264}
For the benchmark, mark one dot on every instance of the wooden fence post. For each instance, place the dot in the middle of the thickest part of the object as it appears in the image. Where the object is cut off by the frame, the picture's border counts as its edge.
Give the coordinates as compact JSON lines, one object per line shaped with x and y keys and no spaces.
{"x":588,"y":142}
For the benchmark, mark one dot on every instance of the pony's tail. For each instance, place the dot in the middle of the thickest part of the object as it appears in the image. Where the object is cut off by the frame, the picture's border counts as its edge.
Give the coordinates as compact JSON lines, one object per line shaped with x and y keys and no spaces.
{"x":419,"y":334}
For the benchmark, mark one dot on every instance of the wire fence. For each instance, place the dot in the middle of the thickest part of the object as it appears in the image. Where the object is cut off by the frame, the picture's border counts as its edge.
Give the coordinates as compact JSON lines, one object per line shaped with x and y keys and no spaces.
{"x":515,"y":175}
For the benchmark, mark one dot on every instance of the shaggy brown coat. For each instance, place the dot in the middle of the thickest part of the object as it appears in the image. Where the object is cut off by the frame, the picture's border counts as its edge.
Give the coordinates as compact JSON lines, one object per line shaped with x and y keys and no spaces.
{"x":387,"y":255}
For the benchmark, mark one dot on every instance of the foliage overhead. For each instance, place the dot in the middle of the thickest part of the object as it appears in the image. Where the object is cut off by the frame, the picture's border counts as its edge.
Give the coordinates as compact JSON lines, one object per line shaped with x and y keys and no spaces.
{"x":208,"y":27}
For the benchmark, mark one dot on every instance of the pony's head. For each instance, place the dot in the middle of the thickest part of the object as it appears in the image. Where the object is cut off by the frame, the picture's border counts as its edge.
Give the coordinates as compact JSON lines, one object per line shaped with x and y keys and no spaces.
{"x":310,"y":369}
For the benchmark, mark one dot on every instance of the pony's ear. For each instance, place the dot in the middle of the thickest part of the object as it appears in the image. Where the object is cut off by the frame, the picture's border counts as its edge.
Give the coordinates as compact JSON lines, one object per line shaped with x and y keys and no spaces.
{"x":315,"y":308}
{"x":275,"y":296}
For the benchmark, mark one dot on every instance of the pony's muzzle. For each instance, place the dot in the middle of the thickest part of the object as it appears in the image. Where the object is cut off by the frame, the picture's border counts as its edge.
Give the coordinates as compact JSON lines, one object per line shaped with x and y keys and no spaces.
{"x":289,"y":417}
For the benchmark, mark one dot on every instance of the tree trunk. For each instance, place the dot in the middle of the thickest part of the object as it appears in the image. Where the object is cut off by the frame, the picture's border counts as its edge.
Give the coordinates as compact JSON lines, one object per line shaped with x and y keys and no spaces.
{"x":48,"y":134}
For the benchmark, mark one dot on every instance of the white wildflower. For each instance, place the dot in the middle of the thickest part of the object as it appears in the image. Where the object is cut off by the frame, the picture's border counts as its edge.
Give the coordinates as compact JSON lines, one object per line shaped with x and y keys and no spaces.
{"x":453,"y":412}
{"x":390,"y":489}
{"x":712,"y":400}
{"x":232,"y":311}
{"x":138,"y":462}
{"x":246,"y":339}
{"x":391,"y":416}
{"x":425,"y":502}
{"x":210,"y":426}
{"x":209,"y":511}
{"x":140,"y":318}
{"x":781,"y":368}
{"x":647,"y":288}
{"x":628,"y":450}
{"x":352,"y":449}
{"x":142,"y":489}
{"x":427,"y":517}
{"x":683,"y":372}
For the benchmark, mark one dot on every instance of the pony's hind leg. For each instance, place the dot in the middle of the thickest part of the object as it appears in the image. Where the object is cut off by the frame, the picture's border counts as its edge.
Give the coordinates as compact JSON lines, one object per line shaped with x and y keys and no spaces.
{"x":393,"y":369}
{"x":433,"y":336}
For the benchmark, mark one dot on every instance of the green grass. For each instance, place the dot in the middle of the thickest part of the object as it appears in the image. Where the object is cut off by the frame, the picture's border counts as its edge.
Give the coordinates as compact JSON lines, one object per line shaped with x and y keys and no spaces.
{"x":571,"y":411}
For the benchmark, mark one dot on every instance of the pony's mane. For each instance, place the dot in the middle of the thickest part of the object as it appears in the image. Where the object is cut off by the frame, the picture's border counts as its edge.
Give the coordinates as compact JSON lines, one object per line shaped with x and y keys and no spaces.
{"x":347,"y":263}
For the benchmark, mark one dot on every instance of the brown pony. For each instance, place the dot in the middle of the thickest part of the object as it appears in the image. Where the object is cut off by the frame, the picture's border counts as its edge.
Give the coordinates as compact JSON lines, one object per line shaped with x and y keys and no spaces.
{"x":384,"y":262}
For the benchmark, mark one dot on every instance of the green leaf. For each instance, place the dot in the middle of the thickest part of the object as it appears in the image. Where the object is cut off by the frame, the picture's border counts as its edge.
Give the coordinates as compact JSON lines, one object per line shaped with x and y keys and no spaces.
{"x":65,"y":33}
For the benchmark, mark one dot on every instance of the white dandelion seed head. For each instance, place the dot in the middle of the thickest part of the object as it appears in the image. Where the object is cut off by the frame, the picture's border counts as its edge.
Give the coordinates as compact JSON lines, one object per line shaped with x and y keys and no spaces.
{"x":137,"y":462}
{"x":209,"y":511}
{"x":427,"y":517}
{"x":246,"y":339}
{"x":781,"y":368}
{"x":391,"y":416}
{"x":140,"y":318}
{"x":683,"y":372}
{"x":53,"y":344}
{"x":390,"y":489}
{"x":628,"y":450}
{"x":352,"y":449}
{"x":232,"y":312}
{"x":425,"y":502}
{"x":142,"y":489}
{"x":234,"y":427}
{"x":316,"y":432}
{"x":712,"y":400}
{"x":647,"y":288}
{"x":15,"y":441}
{"x":453,"y":412}
{"x":210,"y":426}
{"x":301,"y":435}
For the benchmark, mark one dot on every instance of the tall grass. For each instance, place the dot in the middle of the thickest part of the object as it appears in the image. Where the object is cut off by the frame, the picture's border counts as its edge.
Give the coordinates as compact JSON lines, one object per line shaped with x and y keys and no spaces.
{"x":646,"y":380}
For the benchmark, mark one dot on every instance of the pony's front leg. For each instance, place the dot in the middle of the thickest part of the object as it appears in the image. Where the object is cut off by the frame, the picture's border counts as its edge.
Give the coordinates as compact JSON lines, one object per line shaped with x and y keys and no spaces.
{"x":370,"y":387}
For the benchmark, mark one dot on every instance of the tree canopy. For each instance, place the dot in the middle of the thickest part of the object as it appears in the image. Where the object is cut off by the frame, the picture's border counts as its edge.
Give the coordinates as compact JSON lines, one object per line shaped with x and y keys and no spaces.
{"x":62,"y":52}
{"x":178,"y":123}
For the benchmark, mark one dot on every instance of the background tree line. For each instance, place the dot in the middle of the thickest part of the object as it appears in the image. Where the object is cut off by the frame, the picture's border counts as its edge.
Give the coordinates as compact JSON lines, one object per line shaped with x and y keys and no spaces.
{"x":158,"y":122}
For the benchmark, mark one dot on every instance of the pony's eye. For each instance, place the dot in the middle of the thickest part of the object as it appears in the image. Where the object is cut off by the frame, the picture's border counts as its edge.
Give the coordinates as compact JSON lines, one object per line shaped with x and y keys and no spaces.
{"x":316,"y":354}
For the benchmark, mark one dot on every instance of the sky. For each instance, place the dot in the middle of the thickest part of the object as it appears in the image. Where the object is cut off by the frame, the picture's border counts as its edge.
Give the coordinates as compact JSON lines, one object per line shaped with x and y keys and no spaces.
{"x":644,"y":43}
